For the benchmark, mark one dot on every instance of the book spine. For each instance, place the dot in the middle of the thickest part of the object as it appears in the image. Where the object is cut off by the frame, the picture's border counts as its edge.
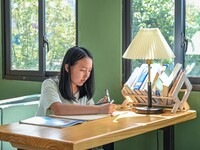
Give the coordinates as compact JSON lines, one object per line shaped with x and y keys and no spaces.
{"x":138,"y":74}
{"x":132,"y":78}
{"x":141,"y":79}
{"x":175,"y":83}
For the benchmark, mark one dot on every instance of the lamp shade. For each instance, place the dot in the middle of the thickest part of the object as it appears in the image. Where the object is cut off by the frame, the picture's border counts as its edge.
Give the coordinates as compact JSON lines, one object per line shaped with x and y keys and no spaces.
{"x":149,"y":43}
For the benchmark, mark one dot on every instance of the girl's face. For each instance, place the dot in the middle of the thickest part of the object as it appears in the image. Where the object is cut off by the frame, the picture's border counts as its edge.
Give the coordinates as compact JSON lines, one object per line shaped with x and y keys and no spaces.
{"x":80,"y":72}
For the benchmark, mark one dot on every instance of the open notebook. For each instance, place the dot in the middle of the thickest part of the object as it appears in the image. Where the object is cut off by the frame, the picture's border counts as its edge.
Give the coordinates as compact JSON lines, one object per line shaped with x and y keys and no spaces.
{"x":64,"y":121}
{"x":89,"y":117}
{"x":83,"y":117}
{"x":50,"y":122}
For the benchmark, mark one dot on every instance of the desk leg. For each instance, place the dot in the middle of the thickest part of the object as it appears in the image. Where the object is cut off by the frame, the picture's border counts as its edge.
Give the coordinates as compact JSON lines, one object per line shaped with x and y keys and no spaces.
{"x":109,"y":146}
{"x":168,"y":139}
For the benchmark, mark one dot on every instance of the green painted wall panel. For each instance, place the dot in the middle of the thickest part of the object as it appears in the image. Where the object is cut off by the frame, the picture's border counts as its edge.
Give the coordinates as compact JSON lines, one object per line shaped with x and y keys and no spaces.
{"x":100,"y":30}
{"x":11,"y":112}
{"x":13,"y":88}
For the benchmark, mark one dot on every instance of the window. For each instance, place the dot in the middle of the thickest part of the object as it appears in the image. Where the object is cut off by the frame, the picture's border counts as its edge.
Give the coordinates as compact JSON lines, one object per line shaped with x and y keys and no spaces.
{"x":192,"y":32}
{"x":36,"y":35}
{"x":178,"y":21}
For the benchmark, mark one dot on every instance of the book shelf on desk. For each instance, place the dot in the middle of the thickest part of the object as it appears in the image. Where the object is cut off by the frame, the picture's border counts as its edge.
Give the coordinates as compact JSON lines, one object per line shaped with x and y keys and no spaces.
{"x":171,"y":101}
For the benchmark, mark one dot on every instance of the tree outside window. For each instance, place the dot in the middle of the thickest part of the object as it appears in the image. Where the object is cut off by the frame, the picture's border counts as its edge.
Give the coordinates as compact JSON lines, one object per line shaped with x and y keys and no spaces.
{"x":161,"y":14}
{"x":37,"y":35}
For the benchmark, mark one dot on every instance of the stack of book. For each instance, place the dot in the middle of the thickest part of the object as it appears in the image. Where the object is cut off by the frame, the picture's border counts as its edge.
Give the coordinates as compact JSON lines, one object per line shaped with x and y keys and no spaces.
{"x":137,"y":82}
{"x":166,"y":82}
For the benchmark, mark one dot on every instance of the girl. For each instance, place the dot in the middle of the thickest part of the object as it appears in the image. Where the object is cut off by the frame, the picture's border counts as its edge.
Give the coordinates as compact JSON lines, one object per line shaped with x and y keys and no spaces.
{"x":71,"y":92}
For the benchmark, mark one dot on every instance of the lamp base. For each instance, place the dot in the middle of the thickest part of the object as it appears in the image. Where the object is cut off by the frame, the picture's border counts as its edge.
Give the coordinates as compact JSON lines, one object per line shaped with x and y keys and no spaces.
{"x":149,"y":110}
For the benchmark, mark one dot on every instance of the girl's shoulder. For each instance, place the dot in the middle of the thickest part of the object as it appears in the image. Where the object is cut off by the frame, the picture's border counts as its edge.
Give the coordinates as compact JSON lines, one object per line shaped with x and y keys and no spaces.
{"x":50,"y":81}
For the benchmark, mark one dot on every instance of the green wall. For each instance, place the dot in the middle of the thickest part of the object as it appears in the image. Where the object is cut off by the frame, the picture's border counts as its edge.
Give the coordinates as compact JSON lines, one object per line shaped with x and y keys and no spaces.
{"x":100,"y":30}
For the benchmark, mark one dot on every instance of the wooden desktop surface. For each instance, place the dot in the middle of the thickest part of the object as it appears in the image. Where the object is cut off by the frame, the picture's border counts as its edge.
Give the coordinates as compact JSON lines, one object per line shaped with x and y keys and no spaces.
{"x":89,"y":134}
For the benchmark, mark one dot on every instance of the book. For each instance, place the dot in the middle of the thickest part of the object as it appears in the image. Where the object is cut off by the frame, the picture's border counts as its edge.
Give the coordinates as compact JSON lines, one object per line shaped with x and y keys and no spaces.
{"x":82,"y":117}
{"x":141,"y":78}
{"x":130,"y":83}
{"x":178,"y":78}
{"x":158,"y":87}
{"x":138,"y":74}
{"x":167,"y":84}
{"x":131,"y":80}
{"x":144,"y":85}
{"x":167,"y":70}
{"x":50,"y":122}
{"x":155,"y":71}
{"x":165,"y":81}
{"x":142,"y":75}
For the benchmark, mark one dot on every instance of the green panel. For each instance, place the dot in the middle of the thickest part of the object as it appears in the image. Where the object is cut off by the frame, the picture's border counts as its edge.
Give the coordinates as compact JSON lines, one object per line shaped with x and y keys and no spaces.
{"x":19,"y":112}
{"x":187,"y":133}
{"x":16,"y":109}
{"x":12,"y":88}
{"x":100,"y":31}
{"x":146,"y":141}
{"x":15,"y":113}
{"x":0,"y":45}
{"x":7,"y":146}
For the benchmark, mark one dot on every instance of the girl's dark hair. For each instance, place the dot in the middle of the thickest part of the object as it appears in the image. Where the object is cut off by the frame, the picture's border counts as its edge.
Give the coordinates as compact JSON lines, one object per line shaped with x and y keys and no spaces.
{"x":73,"y":55}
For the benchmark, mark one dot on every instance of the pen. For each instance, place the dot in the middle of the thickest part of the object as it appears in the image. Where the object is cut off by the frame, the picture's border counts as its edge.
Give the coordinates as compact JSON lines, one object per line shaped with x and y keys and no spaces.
{"x":108,"y":99}
{"x":101,"y":103}
{"x":104,"y":102}
{"x":107,"y":95}
{"x":112,"y":101}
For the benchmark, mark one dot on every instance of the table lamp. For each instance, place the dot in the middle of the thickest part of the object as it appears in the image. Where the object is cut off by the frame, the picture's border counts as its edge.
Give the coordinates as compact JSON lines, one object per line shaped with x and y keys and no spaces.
{"x":149,"y":44}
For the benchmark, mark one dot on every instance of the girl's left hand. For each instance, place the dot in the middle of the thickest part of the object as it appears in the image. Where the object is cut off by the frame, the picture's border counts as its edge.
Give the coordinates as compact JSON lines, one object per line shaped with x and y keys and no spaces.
{"x":103,"y":100}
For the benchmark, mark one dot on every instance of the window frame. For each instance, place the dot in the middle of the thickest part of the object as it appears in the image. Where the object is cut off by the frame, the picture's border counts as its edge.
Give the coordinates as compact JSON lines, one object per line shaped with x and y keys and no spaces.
{"x":179,"y":34}
{"x":40,"y":74}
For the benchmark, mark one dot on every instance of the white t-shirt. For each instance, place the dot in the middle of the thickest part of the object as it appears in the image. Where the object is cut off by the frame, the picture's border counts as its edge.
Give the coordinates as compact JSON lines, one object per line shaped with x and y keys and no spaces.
{"x":50,"y":94}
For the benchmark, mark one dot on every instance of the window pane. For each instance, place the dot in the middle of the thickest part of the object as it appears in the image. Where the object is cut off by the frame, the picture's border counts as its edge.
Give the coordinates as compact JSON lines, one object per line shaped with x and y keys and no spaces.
{"x":60,"y":30}
{"x":192,"y":57}
{"x":24,"y":21}
{"x":153,"y":14}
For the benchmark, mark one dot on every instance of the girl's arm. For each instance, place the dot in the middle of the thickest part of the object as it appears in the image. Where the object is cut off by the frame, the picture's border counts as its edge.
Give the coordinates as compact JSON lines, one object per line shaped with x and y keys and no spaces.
{"x":73,"y":109}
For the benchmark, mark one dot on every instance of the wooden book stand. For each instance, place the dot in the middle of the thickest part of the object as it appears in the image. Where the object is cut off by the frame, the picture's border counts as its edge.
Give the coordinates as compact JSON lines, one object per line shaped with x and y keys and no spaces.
{"x":171,"y":101}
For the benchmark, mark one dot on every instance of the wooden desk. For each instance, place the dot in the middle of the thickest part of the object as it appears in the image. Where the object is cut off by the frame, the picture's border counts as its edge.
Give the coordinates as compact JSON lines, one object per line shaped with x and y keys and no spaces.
{"x":89,"y":134}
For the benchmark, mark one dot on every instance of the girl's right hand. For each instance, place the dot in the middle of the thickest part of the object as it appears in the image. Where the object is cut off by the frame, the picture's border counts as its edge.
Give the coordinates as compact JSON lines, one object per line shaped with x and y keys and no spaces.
{"x":107,"y":108}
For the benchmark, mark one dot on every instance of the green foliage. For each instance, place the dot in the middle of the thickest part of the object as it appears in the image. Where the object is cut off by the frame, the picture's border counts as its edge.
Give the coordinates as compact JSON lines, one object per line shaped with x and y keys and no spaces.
{"x":24,"y":35}
{"x":192,"y":62}
{"x":160,"y":14}
{"x":59,"y":28}
{"x":153,"y":14}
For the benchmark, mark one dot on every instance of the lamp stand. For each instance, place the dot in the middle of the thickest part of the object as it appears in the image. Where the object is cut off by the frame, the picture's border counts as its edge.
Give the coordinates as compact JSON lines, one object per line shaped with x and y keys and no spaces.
{"x":149,"y":109}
